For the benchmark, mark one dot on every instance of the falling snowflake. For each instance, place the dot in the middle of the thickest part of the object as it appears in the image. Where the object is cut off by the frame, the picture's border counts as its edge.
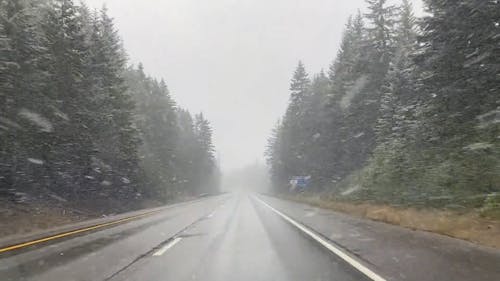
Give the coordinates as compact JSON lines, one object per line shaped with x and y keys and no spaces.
{"x":36,"y":161}
{"x":37,"y":119}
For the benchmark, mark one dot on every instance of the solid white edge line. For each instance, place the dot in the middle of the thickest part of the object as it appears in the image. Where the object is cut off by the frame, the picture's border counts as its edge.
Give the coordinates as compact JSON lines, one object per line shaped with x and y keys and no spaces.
{"x":363,"y":269}
{"x":168,"y":246}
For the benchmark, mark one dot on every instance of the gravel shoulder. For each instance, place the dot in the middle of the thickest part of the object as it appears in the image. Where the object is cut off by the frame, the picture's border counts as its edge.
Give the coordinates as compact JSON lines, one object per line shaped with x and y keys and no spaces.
{"x":396,"y":252}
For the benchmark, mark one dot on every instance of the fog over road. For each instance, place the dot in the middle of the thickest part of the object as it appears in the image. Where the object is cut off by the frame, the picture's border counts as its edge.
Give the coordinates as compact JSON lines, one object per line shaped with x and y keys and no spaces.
{"x":251,"y":237}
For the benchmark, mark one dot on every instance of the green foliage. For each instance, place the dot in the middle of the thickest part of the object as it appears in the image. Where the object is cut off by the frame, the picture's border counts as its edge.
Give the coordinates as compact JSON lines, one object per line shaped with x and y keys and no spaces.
{"x":287,"y":145}
{"x":75,"y":121}
{"x":411,"y":114}
{"x":491,"y":207}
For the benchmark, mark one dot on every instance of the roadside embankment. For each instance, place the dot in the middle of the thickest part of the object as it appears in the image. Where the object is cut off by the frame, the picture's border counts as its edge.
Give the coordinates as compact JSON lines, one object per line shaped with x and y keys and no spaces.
{"x":465,"y":224}
{"x":36,"y":214}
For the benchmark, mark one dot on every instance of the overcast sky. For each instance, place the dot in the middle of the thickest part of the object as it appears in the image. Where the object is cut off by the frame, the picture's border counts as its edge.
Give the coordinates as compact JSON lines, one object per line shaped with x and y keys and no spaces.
{"x":232,"y":59}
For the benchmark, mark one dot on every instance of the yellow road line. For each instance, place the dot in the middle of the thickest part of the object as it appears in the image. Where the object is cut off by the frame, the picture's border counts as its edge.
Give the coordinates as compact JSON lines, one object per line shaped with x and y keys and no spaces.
{"x":73,"y":232}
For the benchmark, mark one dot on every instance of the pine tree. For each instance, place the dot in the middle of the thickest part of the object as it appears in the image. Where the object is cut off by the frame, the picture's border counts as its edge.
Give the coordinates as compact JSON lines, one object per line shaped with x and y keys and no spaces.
{"x":458,"y":67}
{"x":350,"y":60}
{"x":364,"y":96}
{"x":398,"y":99}
{"x":410,"y":112}
{"x":390,"y":165}
{"x":76,"y":122}
{"x":459,"y":60}
{"x":21,"y":83}
{"x":406,"y":25}
{"x":316,"y":148}
{"x":117,"y":102}
{"x":203,"y":133}
{"x":111,"y":108}
{"x":347,"y":77}
{"x":274,"y":159}
{"x":73,"y":144}
{"x":293,"y":131}
{"x":156,"y":120}
{"x":207,"y":166}
{"x":5,"y":50}
{"x":381,"y":20}
{"x":350,"y":101}
{"x":380,"y":47}
{"x":299,"y":86}
{"x":186,"y":161}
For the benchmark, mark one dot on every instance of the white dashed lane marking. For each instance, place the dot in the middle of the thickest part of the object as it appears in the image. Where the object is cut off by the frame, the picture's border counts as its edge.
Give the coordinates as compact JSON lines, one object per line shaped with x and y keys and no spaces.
{"x":168,"y":246}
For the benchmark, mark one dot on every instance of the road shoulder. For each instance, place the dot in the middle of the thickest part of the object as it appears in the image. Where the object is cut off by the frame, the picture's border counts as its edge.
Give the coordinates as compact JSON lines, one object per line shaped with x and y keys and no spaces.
{"x":397,"y":253}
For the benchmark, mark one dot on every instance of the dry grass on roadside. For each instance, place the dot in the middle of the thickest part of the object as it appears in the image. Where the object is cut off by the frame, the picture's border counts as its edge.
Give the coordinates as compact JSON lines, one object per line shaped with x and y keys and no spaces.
{"x":468,"y":226}
{"x":18,"y":219}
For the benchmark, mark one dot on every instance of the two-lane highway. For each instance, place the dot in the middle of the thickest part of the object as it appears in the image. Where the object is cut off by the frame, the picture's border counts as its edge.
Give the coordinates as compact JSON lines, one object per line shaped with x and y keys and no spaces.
{"x":241,"y":240}
{"x":250,"y":237}
{"x":229,"y":237}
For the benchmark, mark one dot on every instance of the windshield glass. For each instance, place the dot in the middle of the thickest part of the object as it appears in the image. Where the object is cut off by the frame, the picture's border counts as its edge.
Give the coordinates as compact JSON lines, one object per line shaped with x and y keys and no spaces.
{"x":250,"y":140}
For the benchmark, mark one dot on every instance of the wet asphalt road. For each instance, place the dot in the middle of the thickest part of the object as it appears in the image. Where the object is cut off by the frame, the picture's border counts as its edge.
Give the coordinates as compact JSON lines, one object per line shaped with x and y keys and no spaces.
{"x":242,"y":237}
{"x":230,"y":237}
